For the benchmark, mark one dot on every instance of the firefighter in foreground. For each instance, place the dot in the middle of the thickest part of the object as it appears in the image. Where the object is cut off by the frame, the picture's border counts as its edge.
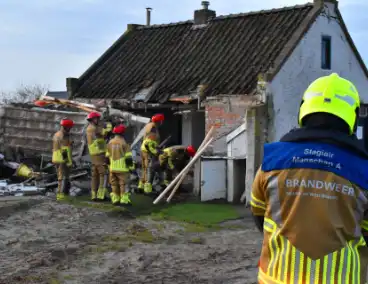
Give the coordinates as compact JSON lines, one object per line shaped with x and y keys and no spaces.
{"x":174,"y":158}
{"x":62,"y":157}
{"x":121,"y":163}
{"x":9,"y":169}
{"x":309,"y":196}
{"x":150,"y":152}
{"x":96,"y":134}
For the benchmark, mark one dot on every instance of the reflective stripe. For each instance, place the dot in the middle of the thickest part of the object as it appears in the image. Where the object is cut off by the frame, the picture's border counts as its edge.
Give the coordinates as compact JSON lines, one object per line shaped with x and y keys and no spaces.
{"x":118,"y":165}
{"x":285,"y":260}
{"x":317,"y":271}
{"x":364,"y":225}
{"x":310,"y":95}
{"x":57,"y":156}
{"x":257,"y":203}
{"x":342,"y":267}
{"x":346,"y":98}
{"x":256,"y":200}
{"x":98,"y":146}
{"x":282,"y":257}
{"x":273,"y":189}
{"x":306,"y":270}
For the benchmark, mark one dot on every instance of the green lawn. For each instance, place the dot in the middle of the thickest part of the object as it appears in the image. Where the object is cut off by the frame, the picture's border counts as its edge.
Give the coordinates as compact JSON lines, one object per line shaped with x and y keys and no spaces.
{"x":192,"y":212}
{"x":199,"y":213}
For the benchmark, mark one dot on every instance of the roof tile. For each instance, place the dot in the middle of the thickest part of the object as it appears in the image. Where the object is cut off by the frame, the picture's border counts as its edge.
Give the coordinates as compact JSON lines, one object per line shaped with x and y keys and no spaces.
{"x":227,"y":54}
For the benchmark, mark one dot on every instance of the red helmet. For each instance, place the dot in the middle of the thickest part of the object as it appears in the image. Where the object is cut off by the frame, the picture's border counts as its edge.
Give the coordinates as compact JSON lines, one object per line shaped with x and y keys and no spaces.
{"x":40,"y":103}
{"x":67,"y":123}
{"x":119,"y":129}
{"x":158,"y":117}
{"x":93,"y":115}
{"x":191,"y":150}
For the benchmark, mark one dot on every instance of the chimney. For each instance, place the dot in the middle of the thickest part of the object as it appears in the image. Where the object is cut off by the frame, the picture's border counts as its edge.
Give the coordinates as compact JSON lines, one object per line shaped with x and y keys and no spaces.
{"x":148,"y":16}
{"x":202,"y":16}
{"x":72,"y":85}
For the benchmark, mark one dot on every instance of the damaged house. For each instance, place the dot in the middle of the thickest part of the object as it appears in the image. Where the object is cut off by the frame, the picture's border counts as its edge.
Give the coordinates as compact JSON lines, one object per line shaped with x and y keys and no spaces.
{"x":244,"y":74}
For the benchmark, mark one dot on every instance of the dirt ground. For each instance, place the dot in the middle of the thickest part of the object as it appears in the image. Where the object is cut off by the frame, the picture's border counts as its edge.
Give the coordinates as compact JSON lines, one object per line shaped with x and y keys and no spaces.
{"x":48,"y":242}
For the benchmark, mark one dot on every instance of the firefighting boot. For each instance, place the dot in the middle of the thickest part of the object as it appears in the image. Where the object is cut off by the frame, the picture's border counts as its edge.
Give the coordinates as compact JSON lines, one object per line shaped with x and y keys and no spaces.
{"x":140,"y":187}
{"x":115,"y":199}
{"x":93,"y":196}
{"x":125,"y":199}
{"x":60,"y":196}
{"x":147,"y":188}
{"x":101,"y":194}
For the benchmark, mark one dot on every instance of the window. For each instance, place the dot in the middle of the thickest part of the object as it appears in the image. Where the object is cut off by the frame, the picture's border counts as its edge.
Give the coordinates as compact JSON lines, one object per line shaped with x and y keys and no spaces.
{"x":362,"y":121}
{"x":326,"y":52}
{"x":363,"y":110}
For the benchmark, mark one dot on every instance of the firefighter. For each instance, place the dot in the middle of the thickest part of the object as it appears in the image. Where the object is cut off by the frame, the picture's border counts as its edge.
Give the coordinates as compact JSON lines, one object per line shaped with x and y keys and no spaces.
{"x":62,"y":156}
{"x":150,"y":152}
{"x":174,"y":158}
{"x":121,"y":163}
{"x":96,"y":134}
{"x":310,"y":195}
{"x":9,"y":169}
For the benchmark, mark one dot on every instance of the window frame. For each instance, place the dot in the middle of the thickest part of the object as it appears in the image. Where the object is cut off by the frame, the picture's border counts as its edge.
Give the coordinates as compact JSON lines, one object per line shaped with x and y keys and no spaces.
{"x":326,"y":52}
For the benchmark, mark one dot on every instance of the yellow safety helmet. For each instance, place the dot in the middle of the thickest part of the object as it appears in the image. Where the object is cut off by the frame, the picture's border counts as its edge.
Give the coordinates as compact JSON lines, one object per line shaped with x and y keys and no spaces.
{"x":334,"y":95}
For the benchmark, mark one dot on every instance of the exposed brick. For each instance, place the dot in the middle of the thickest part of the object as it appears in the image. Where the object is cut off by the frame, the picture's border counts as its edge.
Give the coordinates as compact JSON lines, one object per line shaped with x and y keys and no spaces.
{"x":225,"y":115}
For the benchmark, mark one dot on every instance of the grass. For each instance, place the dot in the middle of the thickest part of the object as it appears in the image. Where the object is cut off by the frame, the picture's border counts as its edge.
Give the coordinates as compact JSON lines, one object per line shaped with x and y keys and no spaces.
{"x":200,"y":216}
{"x":84,"y":201}
{"x":198,"y":213}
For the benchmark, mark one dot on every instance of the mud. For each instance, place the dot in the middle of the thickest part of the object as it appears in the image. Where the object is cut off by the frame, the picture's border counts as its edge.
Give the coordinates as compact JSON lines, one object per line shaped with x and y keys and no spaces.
{"x":50,"y":242}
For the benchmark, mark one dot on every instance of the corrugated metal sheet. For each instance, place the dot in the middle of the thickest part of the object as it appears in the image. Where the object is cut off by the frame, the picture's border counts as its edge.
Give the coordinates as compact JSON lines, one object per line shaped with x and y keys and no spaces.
{"x":31,"y":130}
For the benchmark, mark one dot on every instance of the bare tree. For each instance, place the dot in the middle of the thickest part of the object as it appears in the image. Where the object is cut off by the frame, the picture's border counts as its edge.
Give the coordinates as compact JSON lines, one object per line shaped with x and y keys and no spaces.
{"x":23,"y":94}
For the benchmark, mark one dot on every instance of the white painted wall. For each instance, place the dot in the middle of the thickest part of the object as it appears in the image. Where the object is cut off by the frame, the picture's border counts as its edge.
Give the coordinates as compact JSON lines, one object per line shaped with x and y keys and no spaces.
{"x":236,"y":143}
{"x":304,"y":66}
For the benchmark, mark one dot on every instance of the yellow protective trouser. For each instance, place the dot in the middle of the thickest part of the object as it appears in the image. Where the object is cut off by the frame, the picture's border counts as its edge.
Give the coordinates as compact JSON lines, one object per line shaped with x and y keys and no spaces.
{"x":118,"y":181}
{"x":98,"y":181}
{"x":63,"y":173}
{"x":145,"y":163}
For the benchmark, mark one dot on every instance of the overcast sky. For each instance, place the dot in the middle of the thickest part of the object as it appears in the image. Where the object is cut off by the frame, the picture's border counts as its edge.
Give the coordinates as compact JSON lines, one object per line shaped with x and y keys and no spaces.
{"x":45,"y":41}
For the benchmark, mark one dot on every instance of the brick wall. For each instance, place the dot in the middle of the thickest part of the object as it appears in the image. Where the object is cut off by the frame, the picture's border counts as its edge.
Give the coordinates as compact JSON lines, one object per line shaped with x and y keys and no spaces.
{"x":225,"y":114}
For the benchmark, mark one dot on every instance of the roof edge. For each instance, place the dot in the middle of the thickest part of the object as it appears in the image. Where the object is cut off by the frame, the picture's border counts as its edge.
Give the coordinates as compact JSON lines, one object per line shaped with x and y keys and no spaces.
{"x":106,"y":54}
{"x":230,"y":16}
{"x":294,"y":41}
{"x":260,"y":12}
{"x":351,"y":41}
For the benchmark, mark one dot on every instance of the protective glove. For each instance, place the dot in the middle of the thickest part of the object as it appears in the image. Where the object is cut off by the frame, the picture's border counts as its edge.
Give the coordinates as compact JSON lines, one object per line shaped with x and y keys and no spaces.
{"x":107,"y":161}
{"x":65,"y":155}
{"x":129,"y":162}
{"x":160,"y":151}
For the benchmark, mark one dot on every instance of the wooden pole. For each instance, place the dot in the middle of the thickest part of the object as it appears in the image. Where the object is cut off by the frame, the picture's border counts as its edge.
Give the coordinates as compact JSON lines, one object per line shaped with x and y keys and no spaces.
{"x":184,"y":174}
{"x":192,"y":162}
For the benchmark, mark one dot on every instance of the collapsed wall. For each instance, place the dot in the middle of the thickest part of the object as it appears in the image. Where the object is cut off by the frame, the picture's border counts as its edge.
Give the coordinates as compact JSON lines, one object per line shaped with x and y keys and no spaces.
{"x":30,"y":131}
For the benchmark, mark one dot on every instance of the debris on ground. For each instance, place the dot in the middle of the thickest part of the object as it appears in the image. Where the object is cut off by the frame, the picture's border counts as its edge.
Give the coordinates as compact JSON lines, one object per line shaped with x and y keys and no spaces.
{"x":52,"y":242}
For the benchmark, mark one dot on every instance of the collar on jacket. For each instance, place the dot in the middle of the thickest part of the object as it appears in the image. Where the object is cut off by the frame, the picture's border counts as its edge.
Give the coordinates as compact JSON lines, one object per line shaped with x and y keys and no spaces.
{"x":340,"y":139}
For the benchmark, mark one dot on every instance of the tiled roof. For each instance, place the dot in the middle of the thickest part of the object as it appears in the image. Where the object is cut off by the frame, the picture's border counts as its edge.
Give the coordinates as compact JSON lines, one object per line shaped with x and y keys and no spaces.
{"x":226,"y":55}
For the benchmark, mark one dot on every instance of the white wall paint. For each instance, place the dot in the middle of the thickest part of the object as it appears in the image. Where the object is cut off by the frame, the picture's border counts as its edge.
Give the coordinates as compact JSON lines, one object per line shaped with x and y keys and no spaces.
{"x":304,"y":66}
